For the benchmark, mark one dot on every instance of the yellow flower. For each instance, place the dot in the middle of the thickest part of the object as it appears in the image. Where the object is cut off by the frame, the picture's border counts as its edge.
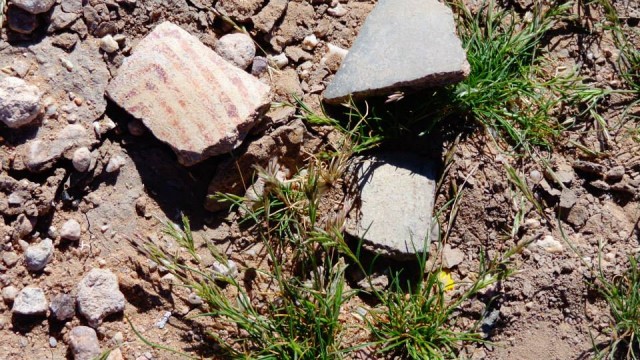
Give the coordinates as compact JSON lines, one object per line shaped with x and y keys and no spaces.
{"x":446,"y":280}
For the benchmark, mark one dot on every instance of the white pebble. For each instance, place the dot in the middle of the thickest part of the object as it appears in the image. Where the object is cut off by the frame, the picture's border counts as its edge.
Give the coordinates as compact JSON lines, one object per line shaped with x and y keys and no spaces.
{"x":108,"y":44}
{"x":115,"y":163}
{"x":81,"y":159}
{"x":337,"y":11}
{"x":310,"y":42}
{"x":71,"y":230}
{"x":279,"y":61}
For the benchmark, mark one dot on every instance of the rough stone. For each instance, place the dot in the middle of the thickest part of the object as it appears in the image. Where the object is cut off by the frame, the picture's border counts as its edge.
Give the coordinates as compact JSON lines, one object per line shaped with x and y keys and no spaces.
{"x":38,"y":256}
{"x":402,"y":43}
{"x":267,"y":17}
{"x":9,"y":294}
{"x":30,"y":301}
{"x":451,"y":257}
{"x":568,"y":198}
{"x":84,"y":343}
{"x":99,"y":296}
{"x":21,"y":21}
{"x":86,"y":76}
{"x":81,"y":159}
{"x":550,"y":245}
{"x":239,"y":10}
{"x":61,"y":20}
{"x":63,"y":307}
{"x":237,"y":48}
{"x":10,"y":258}
{"x":187,"y":95}
{"x":115,"y":163}
{"x":71,"y":230}
{"x":19,"y":102}
{"x":72,"y":6}
{"x":34,"y":6}
{"x":108,"y":44}
{"x":42,"y":154}
{"x":393,"y":220}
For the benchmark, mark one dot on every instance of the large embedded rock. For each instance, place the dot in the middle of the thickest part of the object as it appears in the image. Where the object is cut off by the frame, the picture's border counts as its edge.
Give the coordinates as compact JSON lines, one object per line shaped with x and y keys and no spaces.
{"x":19,"y":102}
{"x":187,"y":95}
{"x":393,"y":212}
{"x":99,"y":296}
{"x":42,"y":153}
{"x":402,"y":43}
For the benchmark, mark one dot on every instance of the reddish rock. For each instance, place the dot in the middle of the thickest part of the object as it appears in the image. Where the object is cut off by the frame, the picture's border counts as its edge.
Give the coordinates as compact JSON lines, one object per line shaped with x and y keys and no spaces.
{"x":187,"y":95}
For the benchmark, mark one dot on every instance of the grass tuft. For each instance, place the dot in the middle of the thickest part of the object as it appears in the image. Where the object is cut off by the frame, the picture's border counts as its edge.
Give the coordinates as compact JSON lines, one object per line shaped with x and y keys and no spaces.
{"x":622,"y":293}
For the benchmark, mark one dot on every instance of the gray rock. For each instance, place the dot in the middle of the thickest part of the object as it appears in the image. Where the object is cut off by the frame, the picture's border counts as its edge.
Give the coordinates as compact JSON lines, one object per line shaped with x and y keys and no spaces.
{"x":451,"y":257}
{"x":616,"y":173}
{"x":71,"y":230}
{"x":72,"y":6}
{"x":267,"y":17}
{"x":374,"y":283}
{"x":22,"y":226}
{"x":99,"y":296}
{"x":115,"y":163}
{"x":38,"y":256}
{"x":81,"y":159}
{"x":568,"y":198}
{"x":19,"y":102}
{"x":63,"y":307}
{"x":10,"y":258}
{"x":41,"y":154}
{"x":84,"y":343}
{"x":34,"y":6}
{"x":9,"y":294}
{"x":21,"y":21}
{"x":393,"y":214}
{"x":238,"y":49}
{"x":402,"y":43}
{"x":61,"y":20}
{"x":87,"y":78}
{"x":259,"y":65}
{"x":30,"y":301}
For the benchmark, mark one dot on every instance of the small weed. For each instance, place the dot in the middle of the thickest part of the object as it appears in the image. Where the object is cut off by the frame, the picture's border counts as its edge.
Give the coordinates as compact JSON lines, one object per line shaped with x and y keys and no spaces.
{"x":420,"y":324}
{"x":622,"y":293}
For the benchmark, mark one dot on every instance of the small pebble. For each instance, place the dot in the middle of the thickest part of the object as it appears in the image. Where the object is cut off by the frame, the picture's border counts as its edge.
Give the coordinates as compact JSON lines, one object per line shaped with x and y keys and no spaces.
{"x":53,"y":342}
{"x":9,"y":294}
{"x":108,"y":44}
{"x":71,"y":230}
{"x":115,"y":163}
{"x":279,"y":61}
{"x":237,"y":48}
{"x":338,"y":11}
{"x":81,"y":159}
{"x":310,"y":42}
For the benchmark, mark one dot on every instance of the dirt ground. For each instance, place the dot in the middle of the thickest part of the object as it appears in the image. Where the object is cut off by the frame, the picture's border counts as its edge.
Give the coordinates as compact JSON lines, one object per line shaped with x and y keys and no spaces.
{"x":546,"y":310}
